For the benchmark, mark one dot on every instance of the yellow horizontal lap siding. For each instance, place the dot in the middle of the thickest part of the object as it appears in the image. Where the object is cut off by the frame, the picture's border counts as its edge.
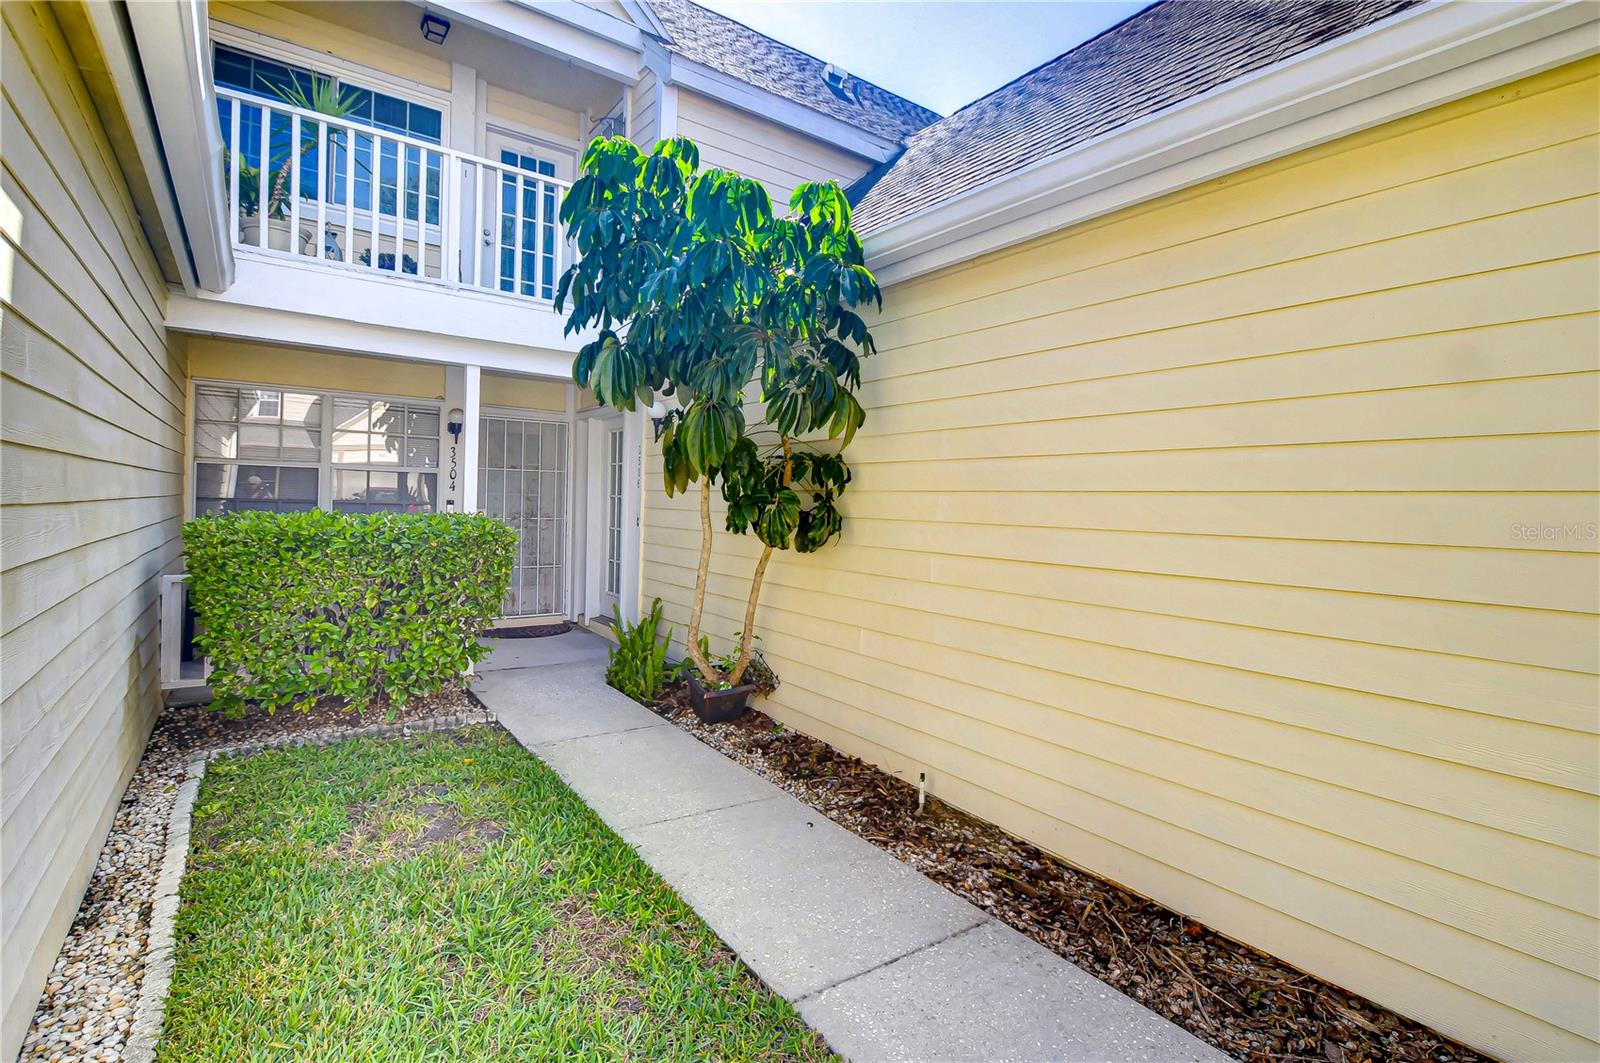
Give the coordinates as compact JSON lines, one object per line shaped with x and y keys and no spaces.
{"x":321,"y":35}
{"x":1240,"y":547}
{"x":91,"y":442}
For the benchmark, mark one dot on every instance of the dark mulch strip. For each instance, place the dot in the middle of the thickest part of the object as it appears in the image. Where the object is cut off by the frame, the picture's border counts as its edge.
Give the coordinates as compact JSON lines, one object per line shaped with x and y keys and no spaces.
{"x":199,"y":727}
{"x":1245,"y":1002}
{"x":537,"y":631}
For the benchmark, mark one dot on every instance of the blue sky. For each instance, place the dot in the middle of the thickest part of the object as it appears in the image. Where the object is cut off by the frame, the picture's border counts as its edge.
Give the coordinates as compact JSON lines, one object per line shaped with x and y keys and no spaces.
{"x":940,"y":53}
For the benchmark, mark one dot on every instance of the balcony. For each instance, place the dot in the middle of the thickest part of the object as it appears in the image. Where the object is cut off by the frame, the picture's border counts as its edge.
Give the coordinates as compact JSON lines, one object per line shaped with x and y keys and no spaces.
{"x":383,"y":205}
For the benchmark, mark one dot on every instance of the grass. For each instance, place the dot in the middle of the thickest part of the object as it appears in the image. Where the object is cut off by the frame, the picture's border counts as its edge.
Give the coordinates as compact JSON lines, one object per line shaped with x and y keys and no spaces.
{"x":441,"y":898}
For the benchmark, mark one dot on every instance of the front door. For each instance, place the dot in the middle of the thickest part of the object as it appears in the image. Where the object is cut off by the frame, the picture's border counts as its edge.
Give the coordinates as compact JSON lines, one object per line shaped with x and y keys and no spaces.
{"x":522,"y":479}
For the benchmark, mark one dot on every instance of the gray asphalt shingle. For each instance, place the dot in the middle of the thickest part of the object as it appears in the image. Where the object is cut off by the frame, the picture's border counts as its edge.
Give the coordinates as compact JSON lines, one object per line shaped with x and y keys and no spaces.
{"x":740,"y":52}
{"x":1161,"y":56}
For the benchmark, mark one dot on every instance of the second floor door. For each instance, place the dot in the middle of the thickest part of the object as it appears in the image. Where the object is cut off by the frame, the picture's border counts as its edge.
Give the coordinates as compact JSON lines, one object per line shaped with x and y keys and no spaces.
{"x":522,"y":251}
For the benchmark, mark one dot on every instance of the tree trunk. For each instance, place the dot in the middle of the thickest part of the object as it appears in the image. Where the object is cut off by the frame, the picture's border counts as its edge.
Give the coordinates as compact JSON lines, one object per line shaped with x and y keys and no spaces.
{"x":747,"y":637}
{"x":702,"y":576}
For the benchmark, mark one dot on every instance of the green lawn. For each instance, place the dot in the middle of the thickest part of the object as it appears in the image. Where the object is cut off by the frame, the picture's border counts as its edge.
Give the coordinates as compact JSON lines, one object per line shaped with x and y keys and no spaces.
{"x":441,"y":898}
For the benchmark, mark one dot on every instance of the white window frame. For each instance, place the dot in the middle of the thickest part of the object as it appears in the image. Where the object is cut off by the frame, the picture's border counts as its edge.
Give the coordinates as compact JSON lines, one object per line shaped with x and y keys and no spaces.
{"x":324,"y":465}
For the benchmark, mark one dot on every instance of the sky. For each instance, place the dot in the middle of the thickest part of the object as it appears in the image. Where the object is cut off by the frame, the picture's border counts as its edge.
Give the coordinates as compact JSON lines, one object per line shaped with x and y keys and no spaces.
{"x":941,"y":53}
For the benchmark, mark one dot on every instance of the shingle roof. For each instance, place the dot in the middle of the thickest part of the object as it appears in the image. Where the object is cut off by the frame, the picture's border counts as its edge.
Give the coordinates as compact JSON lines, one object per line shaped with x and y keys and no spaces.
{"x":1164,"y":54}
{"x":740,"y":52}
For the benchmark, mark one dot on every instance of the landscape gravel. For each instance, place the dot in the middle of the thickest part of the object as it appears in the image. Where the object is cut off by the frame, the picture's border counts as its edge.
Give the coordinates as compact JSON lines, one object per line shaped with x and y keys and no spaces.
{"x":92,"y":992}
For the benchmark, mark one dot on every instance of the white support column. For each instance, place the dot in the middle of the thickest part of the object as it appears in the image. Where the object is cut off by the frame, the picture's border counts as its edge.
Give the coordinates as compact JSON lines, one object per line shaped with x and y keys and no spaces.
{"x":630,"y":600}
{"x":471,"y":404}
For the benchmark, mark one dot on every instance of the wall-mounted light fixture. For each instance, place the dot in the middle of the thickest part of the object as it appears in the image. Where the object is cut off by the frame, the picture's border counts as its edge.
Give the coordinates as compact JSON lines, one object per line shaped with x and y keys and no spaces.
{"x":658,"y":416}
{"x":453,"y":421}
{"x":434,"y":28}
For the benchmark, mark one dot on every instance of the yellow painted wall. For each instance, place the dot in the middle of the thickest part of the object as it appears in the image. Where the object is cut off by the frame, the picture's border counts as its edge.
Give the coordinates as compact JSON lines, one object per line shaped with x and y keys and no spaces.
{"x":1240,"y":547}
{"x":291,"y":367}
{"x":528,"y":393}
{"x":298,"y":27}
{"x":91,"y":446}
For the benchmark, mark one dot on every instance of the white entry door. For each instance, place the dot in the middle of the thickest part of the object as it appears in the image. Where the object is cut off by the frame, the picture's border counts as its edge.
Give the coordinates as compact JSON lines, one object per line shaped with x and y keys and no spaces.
{"x":522,"y":479}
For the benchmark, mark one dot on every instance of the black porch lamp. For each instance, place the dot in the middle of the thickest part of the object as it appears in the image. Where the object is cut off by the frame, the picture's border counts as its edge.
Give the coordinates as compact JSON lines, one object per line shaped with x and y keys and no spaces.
{"x":434,"y":28}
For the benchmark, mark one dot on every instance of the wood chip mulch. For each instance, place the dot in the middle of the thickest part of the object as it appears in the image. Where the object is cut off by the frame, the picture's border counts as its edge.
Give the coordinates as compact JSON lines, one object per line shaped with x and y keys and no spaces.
{"x":1249,"y":1004}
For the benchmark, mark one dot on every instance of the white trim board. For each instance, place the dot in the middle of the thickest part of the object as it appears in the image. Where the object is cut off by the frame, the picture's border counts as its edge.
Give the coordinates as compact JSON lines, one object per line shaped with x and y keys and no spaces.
{"x":327,"y":307}
{"x":1418,"y":59}
{"x":175,"y":55}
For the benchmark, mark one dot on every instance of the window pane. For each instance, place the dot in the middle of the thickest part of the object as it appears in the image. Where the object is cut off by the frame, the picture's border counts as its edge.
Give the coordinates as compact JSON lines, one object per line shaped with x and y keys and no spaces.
{"x":215,"y":441}
{"x":349,"y":448}
{"x":302,"y":408}
{"x":301,"y":444}
{"x":260,"y":404}
{"x":226,"y":487}
{"x":349,"y":485}
{"x":422,"y":423}
{"x":422,"y":452}
{"x":217,"y":404}
{"x":258,"y":441}
{"x":352,"y":414}
{"x":425,"y":123}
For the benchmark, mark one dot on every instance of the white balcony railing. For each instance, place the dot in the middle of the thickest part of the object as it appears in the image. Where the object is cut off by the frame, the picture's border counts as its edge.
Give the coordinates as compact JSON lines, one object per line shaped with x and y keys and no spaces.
{"x":356,"y":197}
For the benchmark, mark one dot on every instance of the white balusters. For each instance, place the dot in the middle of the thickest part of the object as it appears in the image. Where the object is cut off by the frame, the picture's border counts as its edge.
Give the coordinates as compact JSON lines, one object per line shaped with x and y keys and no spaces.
{"x":315,"y":198}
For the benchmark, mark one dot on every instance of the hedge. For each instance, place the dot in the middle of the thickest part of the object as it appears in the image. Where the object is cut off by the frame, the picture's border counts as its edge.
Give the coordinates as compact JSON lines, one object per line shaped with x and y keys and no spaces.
{"x":295,"y":606}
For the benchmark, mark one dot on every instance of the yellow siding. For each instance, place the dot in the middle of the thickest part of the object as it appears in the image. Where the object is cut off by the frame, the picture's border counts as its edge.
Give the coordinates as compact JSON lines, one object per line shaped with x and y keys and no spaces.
{"x":91,"y":440}
{"x":524,"y":393}
{"x":536,"y":114}
{"x":773,"y":155}
{"x":298,"y":27}
{"x":1240,"y":547}
{"x":296,"y":367}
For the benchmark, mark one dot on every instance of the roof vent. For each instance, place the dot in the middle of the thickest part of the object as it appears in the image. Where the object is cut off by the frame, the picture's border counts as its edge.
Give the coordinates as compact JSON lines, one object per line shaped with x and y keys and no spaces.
{"x":841,"y":84}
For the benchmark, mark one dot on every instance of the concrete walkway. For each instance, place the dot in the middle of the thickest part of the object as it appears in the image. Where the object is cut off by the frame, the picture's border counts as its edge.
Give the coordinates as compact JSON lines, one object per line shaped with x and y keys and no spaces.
{"x":884,"y":963}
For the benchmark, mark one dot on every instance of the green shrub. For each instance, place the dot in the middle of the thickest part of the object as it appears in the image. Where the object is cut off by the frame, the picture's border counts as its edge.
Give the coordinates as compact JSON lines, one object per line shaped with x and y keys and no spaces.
{"x":295,"y":606}
{"x":638,"y":665}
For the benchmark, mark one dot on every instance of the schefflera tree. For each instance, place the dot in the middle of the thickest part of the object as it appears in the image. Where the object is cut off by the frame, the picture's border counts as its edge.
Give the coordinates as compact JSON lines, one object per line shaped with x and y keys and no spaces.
{"x":698,"y":291}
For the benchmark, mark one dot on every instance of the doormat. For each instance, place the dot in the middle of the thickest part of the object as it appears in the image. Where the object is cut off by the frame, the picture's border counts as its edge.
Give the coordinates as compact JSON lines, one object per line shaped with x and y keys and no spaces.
{"x":536,"y":631}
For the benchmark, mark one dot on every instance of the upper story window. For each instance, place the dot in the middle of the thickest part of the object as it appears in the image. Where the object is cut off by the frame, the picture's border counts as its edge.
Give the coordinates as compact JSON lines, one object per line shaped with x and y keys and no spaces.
{"x":273,"y":80}
{"x":396,"y":176}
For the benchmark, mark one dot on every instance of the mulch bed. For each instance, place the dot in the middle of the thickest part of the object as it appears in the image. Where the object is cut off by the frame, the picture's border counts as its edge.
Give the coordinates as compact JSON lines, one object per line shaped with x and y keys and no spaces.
{"x":534,"y":631}
{"x":199,"y":727}
{"x":1249,"y":1004}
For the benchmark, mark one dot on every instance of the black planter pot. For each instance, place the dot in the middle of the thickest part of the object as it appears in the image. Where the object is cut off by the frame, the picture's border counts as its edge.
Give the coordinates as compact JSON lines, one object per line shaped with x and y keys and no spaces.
{"x":719,"y":706}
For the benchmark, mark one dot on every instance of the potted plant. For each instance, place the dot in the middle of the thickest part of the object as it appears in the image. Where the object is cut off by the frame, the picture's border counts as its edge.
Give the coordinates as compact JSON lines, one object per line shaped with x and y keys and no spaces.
{"x":718,"y":700}
{"x":324,"y":98}
{"x":696,"y":290}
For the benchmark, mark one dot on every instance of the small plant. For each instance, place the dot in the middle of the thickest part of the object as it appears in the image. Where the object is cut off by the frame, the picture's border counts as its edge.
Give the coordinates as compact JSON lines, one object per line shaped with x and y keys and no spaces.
{"x":638,"y":665}
{"x":758,"y":673}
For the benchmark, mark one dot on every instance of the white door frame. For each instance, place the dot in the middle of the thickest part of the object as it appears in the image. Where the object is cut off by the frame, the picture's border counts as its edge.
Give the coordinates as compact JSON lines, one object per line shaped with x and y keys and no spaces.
{"x":594,"y":429}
